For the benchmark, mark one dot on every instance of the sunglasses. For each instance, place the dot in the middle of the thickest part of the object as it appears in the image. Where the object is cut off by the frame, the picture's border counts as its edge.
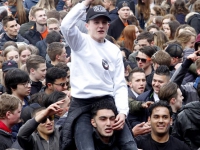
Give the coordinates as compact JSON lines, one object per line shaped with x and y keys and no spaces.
{"x":62,"y":84}
{"x":143,"y":60}
{"x":51,"y":118}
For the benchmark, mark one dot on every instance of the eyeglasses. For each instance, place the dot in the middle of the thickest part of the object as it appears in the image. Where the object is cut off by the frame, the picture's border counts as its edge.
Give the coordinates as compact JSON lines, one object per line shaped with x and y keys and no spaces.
{"x":62,"y":84}
{"x":26,"y":83}
{"x":51,"y":118}
{"x":143,"y":60}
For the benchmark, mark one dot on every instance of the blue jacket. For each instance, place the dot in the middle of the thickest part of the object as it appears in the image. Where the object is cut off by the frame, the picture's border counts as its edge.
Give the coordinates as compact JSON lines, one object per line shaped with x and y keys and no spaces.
{"x":29,"y":3}
{"x":113,"y":14}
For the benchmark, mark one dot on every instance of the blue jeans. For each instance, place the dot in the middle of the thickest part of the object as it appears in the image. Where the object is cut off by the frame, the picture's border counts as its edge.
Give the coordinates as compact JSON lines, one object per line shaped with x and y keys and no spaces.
{"x":83,"y":131}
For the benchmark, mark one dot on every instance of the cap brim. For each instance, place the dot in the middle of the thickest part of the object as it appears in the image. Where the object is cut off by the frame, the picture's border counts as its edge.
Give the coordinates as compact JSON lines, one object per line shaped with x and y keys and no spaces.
{"x":5,"y":70}
{"x":98,"y":15}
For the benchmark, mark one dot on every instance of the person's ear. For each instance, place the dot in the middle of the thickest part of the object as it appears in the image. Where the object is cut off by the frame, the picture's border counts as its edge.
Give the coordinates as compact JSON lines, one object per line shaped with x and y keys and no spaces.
{"x":149,"y":119}
{"x":130,"y":84}
{"x":57,"y":57}
{"x":49,"y":86}
{"x":171,"y":121}
{"x":87,"y":26}
{"x":93,"y":123}
{"x":32,"y":70}
{"x":5,"y":28}
{"x":172,"y":101}
{"x":8,"y":114}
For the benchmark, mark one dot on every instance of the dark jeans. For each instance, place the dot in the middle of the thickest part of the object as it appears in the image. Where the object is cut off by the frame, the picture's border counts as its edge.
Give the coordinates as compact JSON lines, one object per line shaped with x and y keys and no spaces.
{"x":83,"y":129}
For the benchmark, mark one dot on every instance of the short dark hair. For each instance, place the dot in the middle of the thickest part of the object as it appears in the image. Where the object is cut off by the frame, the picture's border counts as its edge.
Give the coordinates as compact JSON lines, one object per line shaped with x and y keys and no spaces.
{"x":54,"y":97}
{"x":136,"y":69}
{"x":146,"y":35}
{"x":53,"y":14}
{"x":152,"y":26}
{"x":55,"y":48}
{"x":103,"y":104}
{"x":34,"y":61}
{"x":168,"y":91}
{"x":163,"y":70}
{"x":39,"y":98}
{"x":148,"y":50}
{"x":7,"y":19}
{"x":14,"y":77}
{"x":53,"y":36}
{"x":54,"y":73}
{"x":160,"y":104}
{"x":62,"y":65}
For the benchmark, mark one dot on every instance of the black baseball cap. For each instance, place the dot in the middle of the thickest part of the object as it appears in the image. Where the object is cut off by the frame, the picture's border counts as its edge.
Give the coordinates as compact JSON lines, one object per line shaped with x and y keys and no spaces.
{"x":123,"y":4}
{"x":97,"y":11}
{"x":174,"y":50}
{"x":10,"y":64}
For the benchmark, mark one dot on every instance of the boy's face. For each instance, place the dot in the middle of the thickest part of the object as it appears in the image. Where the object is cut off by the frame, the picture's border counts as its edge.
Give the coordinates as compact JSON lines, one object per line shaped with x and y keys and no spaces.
{"x":14,"y":117}
{"x":160,"y":121}
{"x":103,"y":122}
{"x":39,"y":73}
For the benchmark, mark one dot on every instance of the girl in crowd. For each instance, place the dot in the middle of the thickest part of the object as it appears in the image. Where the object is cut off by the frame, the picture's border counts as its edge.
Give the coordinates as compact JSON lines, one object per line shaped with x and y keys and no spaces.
{"x":187,"y":41}
{"x":18,"y":10}
{"x":156,"y":11}
{"x":46,"y":4}
{"x":183,"y":28}
{"x":167,"y":18}
{"x":11,"y":53}
{"x":143,"y":12}
{"x":129,"y":34}
{"x":72,"y":3}
{"x":160,"y":39}
{"x":179,"y":10}
{"x":24,"y":54}
{"x":170,"y":29}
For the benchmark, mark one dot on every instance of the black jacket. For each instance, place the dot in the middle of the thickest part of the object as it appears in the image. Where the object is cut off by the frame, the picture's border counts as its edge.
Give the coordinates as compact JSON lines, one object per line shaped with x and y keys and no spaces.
{"x":116,"y":27}
{"x":187,"y":125}
{"x":5,"y":140}
{"x":35,"y":87}
{"x":33,"y":36}
{"x":25,"y":27}
{"x":100,"y":145}
{"x":113,"y":14}
{"x":5,"y":39}
{"x":194,"y":21}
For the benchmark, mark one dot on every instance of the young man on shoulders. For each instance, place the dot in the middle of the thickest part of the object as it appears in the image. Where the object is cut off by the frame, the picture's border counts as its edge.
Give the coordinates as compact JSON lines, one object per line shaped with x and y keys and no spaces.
{"x":37,"y":69}
{"x":102,"y":76}
{"x":159,"y":138}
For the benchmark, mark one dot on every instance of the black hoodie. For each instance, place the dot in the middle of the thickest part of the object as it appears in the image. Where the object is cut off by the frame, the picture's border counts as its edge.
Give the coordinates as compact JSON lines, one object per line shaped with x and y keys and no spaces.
{"x":187,"y":125}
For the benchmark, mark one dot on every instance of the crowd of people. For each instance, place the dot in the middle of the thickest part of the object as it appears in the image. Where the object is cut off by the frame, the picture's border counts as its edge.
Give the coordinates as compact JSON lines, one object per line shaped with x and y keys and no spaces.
{"x":100,"y":74}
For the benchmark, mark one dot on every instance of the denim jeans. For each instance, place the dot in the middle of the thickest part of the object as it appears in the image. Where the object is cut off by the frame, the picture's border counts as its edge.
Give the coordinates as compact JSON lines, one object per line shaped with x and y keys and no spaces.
{"x":83,"y":131}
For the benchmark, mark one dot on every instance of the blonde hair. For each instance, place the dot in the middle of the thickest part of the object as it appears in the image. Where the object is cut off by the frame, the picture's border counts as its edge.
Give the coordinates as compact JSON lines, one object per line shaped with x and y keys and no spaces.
{"x":182,"y":38}
{"x":46,"y":4}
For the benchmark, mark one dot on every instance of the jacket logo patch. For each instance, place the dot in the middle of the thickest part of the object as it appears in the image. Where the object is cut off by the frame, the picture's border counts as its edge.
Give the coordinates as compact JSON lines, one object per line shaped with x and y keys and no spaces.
{"x":105,"y":64}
